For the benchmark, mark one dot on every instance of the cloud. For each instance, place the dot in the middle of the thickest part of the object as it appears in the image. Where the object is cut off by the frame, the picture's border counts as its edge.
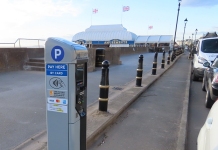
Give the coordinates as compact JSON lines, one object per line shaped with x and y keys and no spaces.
{"x":18,"y":12}
{"x":199,"y":3}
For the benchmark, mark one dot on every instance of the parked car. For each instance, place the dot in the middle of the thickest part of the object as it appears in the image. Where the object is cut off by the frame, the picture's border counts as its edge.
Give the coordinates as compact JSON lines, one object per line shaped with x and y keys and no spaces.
{"x":206,"y":50}
{"x":208,"y":135}
{"x":210,"y":82}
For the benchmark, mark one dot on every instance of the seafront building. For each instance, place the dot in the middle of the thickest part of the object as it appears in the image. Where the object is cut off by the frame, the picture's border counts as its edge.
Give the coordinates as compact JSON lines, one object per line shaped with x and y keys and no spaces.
{"x":118,"y":36}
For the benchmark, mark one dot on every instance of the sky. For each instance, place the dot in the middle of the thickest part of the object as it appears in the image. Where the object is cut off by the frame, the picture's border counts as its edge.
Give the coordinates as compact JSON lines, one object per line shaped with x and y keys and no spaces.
{"x":40,"y":19}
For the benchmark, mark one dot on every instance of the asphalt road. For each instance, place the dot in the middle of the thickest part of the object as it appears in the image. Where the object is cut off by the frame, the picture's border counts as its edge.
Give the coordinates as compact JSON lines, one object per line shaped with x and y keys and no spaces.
{"x":22,"y":98}
{"x":197,"y":114}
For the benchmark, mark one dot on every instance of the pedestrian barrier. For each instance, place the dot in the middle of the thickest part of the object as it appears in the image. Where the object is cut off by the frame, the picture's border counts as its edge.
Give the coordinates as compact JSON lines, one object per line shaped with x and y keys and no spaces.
{"x":139,"y":71}
{"x":104,"y":86}
{"x":25,"y":43}
{"x":100,"y":57}
{"x":163,"y":60}
{"x":154,"y":69}
{"x":168,"y":58}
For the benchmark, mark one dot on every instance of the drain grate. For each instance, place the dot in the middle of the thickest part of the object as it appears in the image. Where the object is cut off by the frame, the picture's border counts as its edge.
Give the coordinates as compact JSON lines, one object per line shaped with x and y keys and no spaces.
{"x":117,"y":88}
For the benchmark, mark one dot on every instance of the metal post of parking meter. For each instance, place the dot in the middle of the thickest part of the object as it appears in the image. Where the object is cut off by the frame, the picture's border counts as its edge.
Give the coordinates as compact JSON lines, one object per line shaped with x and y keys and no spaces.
{"x":66,"y":94}
{"x":168,"y":58}
{"x":163,"y":60}
{"x":139,"y":71}
{"x":154,"y":69}
{"x":104,"y":86}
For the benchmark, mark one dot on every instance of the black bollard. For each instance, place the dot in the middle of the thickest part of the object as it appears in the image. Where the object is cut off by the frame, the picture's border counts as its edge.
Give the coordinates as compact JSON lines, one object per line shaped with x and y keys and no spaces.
{"x":104,"y":86}
{"x":163,"y":60}
{"x":176,"y":52}
{"x":173,"y":55}
{"x":154,"y":69}
{"x":168,"y":58}
{"x":139,"y":71}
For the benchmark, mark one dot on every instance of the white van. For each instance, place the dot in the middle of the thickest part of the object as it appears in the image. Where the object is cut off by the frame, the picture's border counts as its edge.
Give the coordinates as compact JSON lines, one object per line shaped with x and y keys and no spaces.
{"x":206,"y":50}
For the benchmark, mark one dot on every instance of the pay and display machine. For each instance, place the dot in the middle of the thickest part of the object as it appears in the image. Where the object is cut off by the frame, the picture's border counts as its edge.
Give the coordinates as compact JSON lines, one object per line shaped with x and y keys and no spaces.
{"x":66,"y":94}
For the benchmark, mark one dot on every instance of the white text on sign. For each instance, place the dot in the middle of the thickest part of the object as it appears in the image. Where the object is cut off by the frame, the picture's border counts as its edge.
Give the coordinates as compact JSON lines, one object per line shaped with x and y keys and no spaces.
{"x":56,"y":66}
{"x":56,"y":73}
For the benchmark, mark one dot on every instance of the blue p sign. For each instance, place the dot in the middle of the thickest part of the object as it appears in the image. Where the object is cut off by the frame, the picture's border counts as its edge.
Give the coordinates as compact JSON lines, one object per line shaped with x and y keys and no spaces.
{"x":57,"y":53}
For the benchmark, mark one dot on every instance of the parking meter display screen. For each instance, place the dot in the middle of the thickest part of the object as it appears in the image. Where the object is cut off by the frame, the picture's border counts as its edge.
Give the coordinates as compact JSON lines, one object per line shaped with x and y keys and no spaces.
{"x":79,"y":73}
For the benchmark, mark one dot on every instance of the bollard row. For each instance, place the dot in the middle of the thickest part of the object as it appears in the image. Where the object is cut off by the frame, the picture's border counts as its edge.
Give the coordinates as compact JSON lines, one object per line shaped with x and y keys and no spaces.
{"x":104,"y":83}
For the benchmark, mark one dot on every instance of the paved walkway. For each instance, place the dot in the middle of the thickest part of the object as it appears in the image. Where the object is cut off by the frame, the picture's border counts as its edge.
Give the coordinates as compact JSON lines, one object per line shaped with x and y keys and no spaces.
{"x":156,"y":120}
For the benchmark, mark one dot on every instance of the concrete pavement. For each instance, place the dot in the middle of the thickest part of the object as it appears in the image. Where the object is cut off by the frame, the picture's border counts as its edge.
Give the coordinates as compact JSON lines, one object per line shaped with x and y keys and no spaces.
{"x":22,"y":97}
{"x":157,"y":119}
{"x":97,"y":121}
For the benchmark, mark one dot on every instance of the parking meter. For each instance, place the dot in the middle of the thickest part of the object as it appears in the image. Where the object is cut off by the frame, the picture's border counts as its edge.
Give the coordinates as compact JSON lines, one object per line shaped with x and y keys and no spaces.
{"x":66,"y":94}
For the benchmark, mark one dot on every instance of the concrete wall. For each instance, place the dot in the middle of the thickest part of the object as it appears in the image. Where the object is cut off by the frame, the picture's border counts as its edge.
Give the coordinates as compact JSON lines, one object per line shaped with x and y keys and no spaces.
{"x":12,"y":59}
{"x":113,"y":54}
{"x":133,"y":50}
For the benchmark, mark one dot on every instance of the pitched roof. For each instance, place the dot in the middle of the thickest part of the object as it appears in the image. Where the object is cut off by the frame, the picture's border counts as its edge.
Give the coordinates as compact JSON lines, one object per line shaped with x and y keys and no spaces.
{"x":210,"y":34}
{"x":105,"y":33}
{"x":154,"y":39}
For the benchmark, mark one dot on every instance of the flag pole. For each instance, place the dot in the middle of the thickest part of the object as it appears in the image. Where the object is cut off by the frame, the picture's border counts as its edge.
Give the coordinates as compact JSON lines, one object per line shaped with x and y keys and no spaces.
{"x":122,"y":16}
{"x":147,"y":30}
{"x":91,"y":16}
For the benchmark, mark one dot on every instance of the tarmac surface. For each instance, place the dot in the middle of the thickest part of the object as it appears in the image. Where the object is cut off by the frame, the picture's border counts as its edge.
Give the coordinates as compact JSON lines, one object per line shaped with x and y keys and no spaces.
{"x":153,"y":121}
{"x":160,"y":111}
{"x":22,"y":97}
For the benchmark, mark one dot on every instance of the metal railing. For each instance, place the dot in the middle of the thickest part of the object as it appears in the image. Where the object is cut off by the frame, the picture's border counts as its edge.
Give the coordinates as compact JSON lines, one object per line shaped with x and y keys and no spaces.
{"x":19,"y":41}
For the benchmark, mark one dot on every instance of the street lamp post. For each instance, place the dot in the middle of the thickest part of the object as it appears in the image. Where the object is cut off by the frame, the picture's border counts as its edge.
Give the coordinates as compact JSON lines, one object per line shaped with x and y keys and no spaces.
{"x":195,"y":35}
{"x":174,"y":53}
{"x":184,"y":34}
{"x":189,"y":42}
{"x":192,"y":40}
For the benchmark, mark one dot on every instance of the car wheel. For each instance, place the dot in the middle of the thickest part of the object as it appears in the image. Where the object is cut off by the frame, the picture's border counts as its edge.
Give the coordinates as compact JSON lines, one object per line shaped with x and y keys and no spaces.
{"x":194,"y":78}
{"x":203,"y":85}
{"x":208,"y":102}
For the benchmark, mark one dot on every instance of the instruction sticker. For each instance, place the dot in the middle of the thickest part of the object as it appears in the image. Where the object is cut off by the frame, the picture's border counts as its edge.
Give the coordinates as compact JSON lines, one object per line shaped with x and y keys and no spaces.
{"x":57,"y":108}
{"x":57,"y":83}
{"x":57,"y":94}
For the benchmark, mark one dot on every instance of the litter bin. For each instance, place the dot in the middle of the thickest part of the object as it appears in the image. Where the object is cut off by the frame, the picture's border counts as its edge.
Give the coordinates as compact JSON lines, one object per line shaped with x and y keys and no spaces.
{"x":100,"y":57}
